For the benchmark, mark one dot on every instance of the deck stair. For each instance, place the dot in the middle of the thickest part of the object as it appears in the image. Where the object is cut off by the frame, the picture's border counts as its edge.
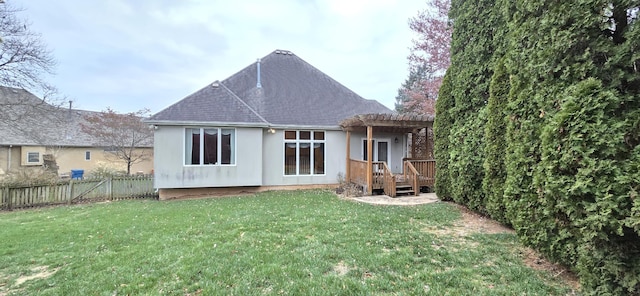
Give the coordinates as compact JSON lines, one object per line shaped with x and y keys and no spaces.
{"x":403,"y":188}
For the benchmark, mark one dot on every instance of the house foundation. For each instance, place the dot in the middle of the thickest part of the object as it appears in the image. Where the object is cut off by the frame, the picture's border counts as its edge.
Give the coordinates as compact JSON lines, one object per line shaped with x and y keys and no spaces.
{"x":189,"y":193}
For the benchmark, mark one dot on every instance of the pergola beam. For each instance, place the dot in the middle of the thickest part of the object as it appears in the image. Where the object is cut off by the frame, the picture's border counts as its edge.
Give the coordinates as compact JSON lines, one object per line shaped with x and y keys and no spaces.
{"x":405,"y":122}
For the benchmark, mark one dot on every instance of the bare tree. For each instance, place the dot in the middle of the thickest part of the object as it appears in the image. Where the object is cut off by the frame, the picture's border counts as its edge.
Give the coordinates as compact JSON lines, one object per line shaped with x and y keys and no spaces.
{"x":122,"y":134}
{"x":25,"y":62}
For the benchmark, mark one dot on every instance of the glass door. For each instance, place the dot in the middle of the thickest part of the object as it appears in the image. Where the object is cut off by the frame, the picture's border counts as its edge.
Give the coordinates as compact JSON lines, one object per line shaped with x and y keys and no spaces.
{"x":380,"y":150}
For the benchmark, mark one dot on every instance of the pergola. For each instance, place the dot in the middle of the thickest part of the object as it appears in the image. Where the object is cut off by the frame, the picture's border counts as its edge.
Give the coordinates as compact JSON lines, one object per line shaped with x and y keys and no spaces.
{"x":392,"y":123}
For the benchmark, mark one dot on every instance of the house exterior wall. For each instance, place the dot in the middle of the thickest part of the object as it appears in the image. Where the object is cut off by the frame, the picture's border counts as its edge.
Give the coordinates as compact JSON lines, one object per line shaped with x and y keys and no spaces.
{"x":273,"y":160}
{"x":171,"y":172}
{"x":9,"y":158}
{"x":26,"y":150}
{"x":73,"y":158}
{"x":70,"y":158}
{"x":259,"y":159}
{"x":397,"y":150}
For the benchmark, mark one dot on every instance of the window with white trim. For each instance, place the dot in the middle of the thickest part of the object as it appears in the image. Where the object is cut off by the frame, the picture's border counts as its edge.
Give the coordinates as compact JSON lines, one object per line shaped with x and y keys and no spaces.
{"x":304,"y":153}
{"x":87,"y":155}
{"x":33,"y":157}
{"x":210,"y":146}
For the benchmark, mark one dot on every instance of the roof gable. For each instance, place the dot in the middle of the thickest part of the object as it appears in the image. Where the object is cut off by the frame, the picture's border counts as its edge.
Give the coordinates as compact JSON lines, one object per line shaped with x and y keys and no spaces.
{"x":292,"y":92}
{"x":213,"y":103}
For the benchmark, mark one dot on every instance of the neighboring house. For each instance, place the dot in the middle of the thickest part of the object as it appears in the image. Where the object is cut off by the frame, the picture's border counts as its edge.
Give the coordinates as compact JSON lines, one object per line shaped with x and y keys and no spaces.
{"x":275,"y":123}
{"x":34,"y":134}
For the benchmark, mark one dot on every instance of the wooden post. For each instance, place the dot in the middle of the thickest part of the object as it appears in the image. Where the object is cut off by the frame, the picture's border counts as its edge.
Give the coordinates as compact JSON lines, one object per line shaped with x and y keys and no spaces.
{"x":430,"y":153}
{"x":6,"y":195}
{"x":348,"y":173}
{"x":414,"y":133}
{"x":370,"y":160}
{"x":70,"y":192}
{"x":110,"y":188}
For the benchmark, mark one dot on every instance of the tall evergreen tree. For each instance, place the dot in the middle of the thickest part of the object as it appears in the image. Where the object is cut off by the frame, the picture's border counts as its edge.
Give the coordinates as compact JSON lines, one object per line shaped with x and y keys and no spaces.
{"x":472,"y":54}
{"x":495,"y":147}
{"x":567,"y":173}
{"x":571,"y":137}
{"x":441,"y":130}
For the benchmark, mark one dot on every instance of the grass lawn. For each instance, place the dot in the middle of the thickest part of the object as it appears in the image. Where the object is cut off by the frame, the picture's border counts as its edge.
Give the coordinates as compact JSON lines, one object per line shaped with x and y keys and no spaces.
{"x":285,"y":242}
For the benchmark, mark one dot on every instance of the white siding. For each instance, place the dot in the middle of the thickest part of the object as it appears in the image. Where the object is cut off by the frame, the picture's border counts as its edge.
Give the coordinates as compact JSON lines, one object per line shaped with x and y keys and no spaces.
{"x":397,"y":150}
{"x":170,"y":171}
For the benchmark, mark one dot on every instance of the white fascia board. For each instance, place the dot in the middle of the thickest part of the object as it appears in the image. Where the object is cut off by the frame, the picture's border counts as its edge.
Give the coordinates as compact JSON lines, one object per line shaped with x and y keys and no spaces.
{"x":243,"y":124}
{"x":204,"y":123}
{"x":306,"y":127}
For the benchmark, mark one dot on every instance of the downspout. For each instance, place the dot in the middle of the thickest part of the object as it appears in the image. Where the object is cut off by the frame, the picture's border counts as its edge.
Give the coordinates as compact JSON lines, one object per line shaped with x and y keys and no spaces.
{"x":9,"y":158}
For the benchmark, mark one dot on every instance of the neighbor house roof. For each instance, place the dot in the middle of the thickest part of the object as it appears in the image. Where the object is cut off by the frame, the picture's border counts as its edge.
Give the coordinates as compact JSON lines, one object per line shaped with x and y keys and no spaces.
{"x":291,"y":93}
{"x":26,"y":120}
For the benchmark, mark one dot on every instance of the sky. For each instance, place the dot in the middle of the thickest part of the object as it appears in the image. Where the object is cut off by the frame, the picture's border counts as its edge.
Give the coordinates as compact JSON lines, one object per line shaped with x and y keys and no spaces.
{"x":133,"y":54}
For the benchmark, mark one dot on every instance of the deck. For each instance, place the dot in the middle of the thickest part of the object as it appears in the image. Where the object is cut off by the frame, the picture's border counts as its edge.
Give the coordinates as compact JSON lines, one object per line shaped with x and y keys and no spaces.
{"x":417,"y":173}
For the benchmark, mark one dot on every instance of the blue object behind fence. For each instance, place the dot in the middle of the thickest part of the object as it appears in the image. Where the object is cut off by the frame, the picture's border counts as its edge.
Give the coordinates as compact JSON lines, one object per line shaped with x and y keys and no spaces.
{"x":77,"y":174}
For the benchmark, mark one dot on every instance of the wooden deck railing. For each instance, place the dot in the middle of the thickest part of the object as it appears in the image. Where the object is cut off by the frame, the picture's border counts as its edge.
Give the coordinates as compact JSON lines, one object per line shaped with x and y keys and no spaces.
{"x":426,"y":169}
{"x":389,"y":181}
{"x":417,"y":172}
{"x":378,"y":174}
{"x":358,"y":172}
{"x":411,"y":176}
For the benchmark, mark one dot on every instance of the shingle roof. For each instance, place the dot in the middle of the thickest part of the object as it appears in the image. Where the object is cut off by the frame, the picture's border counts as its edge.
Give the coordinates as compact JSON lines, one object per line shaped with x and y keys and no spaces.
{"x":27,"y":120}
{"x":213,"y":103}
{"x":292,"y":92}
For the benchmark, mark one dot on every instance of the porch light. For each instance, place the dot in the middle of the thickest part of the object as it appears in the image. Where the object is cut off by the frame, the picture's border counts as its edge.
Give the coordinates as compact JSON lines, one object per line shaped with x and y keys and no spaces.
{"x":396,"y":140}
{"x":271,"y":131}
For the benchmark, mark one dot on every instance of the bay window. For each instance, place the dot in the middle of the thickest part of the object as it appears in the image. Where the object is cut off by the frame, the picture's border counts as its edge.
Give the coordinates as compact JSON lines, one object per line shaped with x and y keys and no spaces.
{"x":209,"y":146}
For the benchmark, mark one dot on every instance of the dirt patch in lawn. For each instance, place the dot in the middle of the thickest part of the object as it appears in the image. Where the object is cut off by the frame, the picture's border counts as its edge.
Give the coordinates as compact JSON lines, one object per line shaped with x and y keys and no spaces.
{"x":534,"y":260}
{"x":341,"y":268}
{"x":475,"y":223}
{"x":471,"y":223}
{"x":38,"y":272}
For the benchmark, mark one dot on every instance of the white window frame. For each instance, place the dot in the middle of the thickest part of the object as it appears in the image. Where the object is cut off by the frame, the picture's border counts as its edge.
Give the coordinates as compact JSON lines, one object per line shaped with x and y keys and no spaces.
{"x":298,"y":141}
{"x":375,"y":148}
{"x":39,"y":161}
{"x":219,"y":146}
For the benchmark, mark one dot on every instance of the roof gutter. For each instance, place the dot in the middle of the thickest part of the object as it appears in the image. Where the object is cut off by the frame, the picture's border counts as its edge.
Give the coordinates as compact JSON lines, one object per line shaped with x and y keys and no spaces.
{"x":204,"y":123}
{"x":306,"y":127}
{"x":241,"y":124}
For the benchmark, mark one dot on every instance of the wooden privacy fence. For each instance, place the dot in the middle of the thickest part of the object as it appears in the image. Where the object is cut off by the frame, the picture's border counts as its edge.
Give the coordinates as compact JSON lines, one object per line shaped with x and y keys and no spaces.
{"x":77,"y":191}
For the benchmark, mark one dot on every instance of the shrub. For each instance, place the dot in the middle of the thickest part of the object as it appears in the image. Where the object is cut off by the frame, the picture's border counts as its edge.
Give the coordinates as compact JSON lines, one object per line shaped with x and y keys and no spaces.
{"x":28,"y":177}
{"x":106,"y":170}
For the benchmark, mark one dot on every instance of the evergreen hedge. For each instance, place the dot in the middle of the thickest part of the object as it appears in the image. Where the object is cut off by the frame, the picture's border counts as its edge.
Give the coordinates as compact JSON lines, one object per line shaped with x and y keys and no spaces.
{"x":495,"y":144}
{"x":551,"y":145}
{"x":441,"y":128}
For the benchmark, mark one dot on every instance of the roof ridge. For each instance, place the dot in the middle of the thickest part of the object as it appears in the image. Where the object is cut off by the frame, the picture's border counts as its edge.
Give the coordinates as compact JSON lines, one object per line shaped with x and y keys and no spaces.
{"x":250,"y":64}
{"x":243,"y":102}
{"x":336,"y":81}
